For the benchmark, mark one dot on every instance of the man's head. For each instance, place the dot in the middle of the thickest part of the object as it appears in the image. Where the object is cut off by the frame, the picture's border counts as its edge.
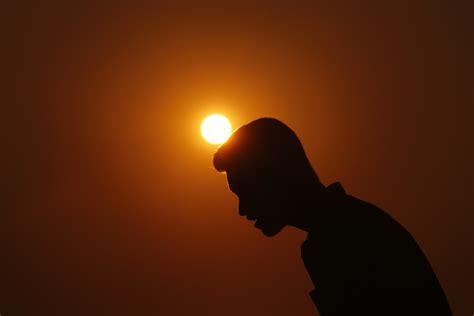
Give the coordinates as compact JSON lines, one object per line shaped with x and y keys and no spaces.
{"x":266,"y":168}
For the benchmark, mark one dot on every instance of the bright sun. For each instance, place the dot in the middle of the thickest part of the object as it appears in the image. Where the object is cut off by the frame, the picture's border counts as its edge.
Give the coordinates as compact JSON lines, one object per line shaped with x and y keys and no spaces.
{"x":216,"y":129}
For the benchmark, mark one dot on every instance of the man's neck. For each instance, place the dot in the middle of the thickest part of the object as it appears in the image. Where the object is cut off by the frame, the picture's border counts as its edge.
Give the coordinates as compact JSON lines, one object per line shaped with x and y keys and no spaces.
{"x":311,"y":209}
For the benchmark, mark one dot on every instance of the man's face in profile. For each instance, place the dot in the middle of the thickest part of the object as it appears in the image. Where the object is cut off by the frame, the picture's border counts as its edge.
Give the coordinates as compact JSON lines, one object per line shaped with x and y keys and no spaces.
{"x":259,"y":199}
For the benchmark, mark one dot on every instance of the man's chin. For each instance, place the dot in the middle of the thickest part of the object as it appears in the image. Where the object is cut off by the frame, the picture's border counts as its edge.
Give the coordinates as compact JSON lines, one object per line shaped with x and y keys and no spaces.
{"x":269,"y":230}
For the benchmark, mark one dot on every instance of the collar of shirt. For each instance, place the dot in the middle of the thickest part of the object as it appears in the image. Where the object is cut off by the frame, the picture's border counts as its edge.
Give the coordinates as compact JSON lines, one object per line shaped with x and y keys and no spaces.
{"x":336,"y":188}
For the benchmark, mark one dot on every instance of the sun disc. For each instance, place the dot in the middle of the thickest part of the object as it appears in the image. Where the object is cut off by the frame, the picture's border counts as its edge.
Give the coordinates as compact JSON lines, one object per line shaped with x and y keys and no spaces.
{"x":216,"y":129}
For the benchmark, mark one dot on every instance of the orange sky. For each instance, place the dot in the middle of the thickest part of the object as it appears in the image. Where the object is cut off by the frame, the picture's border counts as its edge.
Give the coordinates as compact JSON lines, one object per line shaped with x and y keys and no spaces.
{"x":113,"y":203}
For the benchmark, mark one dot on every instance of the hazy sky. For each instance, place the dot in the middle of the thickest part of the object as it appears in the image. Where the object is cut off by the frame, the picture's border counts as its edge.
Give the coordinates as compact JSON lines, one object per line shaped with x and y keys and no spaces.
{"x":112,"y":203}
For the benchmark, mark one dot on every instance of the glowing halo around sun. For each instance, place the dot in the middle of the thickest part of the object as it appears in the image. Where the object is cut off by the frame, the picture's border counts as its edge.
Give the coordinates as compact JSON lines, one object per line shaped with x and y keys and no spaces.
{"x":216,"y":129}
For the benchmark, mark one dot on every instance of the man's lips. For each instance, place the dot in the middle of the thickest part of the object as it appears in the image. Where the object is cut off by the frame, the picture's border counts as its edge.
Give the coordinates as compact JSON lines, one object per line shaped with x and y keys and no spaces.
{"x":251,"y":218}
{"x":257,"y":224}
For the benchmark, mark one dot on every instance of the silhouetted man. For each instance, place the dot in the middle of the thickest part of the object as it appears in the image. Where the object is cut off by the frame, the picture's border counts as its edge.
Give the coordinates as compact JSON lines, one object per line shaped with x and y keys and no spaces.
{"x":361,"y":261}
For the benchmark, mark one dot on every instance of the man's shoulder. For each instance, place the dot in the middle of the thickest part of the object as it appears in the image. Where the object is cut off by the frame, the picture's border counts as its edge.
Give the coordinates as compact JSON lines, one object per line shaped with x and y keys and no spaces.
{"x":350,"y":210}
{"x":355,"y":224}
{"x":362,"y":214}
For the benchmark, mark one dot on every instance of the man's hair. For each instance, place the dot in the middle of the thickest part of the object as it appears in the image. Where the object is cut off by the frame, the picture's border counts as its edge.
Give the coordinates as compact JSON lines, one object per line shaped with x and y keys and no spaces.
{"x":269,"y":144}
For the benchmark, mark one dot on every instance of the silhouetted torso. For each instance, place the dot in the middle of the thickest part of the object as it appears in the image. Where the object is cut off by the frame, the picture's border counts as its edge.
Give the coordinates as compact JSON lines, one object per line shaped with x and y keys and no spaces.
{"x":362,"y":262}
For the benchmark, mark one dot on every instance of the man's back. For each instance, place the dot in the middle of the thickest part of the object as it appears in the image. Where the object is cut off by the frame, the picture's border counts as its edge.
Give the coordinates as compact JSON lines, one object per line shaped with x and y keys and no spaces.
{"x":362,"y":262}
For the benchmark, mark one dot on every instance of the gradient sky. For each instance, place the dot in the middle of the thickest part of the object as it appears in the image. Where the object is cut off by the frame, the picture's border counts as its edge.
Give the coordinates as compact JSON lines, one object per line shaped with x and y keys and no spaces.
{"x":113,"y":204}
